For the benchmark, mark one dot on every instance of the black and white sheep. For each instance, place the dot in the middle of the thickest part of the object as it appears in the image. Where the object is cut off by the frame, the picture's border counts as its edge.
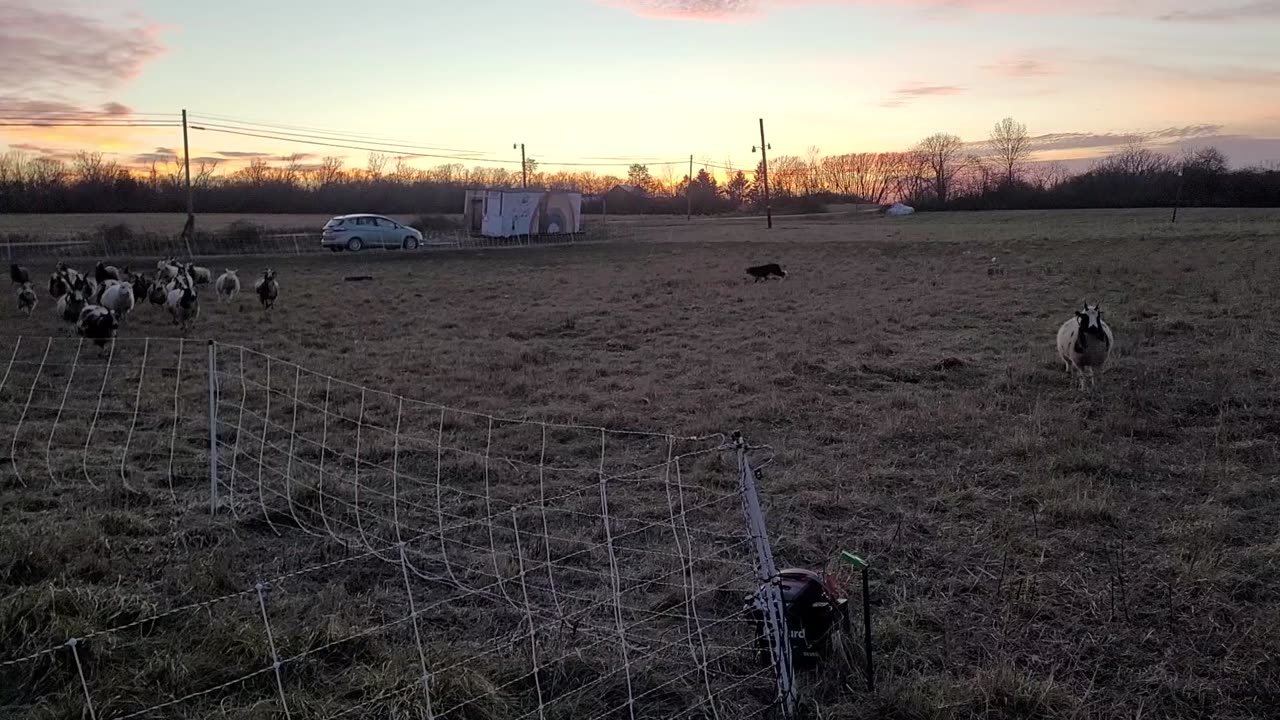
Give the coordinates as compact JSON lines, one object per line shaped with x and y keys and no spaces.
{"x":70,"y":305}
{"x":228,"y":285}
{"x":267,"y":288}
{"x":58,"y":285}
{"x":1084,"y":343}
{"x":97,"y":324}
{"x":166,"y":270}
{"x":102,"y":273}
{"x":141,"y":285}
{"x":27,"y":298}
{"x":183,"y":304}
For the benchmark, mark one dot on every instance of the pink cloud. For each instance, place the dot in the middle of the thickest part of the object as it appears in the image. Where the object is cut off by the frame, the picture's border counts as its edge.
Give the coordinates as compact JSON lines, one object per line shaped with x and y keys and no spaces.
{"x":55,"y":109}
{"x":719,"y":10}
{"x":1179,"y":10}
{"x":909,"y":92}
{"x":49,"y":45}
{"x":1261,"y":10}
{"x":1022,"y":67}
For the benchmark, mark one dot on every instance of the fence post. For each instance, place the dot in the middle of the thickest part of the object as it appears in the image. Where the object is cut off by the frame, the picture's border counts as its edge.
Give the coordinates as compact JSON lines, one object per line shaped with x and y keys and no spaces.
{"x":213,"y":429}
{"x":770,"y":595}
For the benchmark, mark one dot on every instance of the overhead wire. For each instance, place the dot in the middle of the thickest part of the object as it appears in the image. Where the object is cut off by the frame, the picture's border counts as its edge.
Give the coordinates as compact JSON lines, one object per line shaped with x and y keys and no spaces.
{"x":339,"y":136}
{"x":373,"y":147}
{"x":328,"y":134}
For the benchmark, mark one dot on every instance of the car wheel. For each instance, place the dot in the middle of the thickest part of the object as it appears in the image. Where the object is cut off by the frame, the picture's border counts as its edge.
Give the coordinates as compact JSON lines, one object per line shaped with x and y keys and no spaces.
{"x":355,"y":244}
{"x":411,"y":243}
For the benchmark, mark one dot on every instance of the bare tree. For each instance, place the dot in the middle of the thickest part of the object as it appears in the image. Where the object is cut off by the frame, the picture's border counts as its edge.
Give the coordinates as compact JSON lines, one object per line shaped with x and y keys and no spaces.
{"x":940,"y":155}
{"x":1010,"y":148}
{"x":376,"y":163}
{"x":329,"y":172}
{"x":403,"y":171}
{"x":1206,"y":159}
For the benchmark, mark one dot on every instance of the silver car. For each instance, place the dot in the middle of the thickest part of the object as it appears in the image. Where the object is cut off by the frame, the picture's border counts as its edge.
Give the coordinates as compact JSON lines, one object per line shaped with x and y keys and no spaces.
{"x":357,"y":232}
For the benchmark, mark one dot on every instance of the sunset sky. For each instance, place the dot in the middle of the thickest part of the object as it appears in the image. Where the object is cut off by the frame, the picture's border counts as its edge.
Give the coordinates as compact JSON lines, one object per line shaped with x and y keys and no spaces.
{"x":582,"y":80}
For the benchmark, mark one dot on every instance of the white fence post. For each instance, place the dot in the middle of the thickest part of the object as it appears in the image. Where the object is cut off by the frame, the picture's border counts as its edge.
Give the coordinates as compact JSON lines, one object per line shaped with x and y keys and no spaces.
{"x":213,"y":429}
{"x":770,"y":594}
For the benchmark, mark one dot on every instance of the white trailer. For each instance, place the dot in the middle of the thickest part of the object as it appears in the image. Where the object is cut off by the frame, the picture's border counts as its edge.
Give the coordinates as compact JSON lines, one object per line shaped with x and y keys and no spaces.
{"x":509,"y":213}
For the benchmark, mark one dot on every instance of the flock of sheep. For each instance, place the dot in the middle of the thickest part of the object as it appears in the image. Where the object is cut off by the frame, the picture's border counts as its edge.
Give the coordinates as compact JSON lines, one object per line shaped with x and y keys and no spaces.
{"x":97,"y":304}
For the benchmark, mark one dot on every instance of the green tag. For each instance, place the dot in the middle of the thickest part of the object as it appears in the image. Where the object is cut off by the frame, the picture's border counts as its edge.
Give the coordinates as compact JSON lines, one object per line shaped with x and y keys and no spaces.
{"x":857,"y":562}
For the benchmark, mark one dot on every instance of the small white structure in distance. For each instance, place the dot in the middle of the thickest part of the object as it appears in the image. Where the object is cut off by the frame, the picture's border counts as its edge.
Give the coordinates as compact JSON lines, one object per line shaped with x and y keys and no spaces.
{"x":899,"y":209}
{"x":509,"y":213}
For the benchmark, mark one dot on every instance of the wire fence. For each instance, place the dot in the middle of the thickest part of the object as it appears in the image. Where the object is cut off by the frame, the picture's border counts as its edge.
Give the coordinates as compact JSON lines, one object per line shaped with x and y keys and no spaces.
{"x":425,"y":561}
{"x":209,"y":245}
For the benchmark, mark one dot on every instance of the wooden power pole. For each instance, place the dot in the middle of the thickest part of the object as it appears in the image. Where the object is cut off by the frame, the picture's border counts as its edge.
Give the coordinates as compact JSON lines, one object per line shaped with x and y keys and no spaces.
{"x":524,"y":167}
{"x":764,"y":172}
{"x":688,"y":193}
{"x":189,"y":228}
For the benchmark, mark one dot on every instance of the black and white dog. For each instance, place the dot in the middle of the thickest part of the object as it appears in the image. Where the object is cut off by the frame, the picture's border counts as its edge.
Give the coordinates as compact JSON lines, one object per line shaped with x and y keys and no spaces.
{"x":764,"y":272}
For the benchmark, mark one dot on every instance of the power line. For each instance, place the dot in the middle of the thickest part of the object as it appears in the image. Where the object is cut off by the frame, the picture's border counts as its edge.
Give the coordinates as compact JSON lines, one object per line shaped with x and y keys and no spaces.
{"x":302,"y":137}
{"x":332,"y":135}
{"x":367,"y":148}
{"x":337,"y":135}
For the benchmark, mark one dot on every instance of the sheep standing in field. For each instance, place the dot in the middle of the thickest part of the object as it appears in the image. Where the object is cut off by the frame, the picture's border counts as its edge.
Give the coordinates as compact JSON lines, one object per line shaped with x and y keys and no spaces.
{"x":97,"y":324}
{"x":27,"y":298}
{"x":1084,"y":343}
{"x":102,"y":273}
{"x":228,"y":285}
{"x":166,"y":270}
{"x":19,"y":274}
{"x":141,"y":286}
{"x":70,"y":304}
{"x":118,"y":298}
{"x":267,"y":288}
{"x":95,"y":295}
{"x":199,"y":275}
{"x":183,"y":304}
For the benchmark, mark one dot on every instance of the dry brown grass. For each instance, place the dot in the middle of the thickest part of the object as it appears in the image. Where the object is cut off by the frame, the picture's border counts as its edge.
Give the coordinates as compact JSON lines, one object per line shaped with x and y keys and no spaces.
{"x":1037,"y":553}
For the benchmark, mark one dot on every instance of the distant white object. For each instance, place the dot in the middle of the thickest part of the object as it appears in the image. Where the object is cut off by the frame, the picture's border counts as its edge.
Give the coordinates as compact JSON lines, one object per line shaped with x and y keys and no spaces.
{"x":899,"y":209}
{"x":510,"y":213}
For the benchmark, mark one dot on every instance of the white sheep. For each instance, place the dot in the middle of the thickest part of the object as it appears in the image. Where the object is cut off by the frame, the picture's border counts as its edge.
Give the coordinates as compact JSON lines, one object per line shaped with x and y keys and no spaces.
{"x":119,"y":299}
{"x":166,"y":270}
{"x":95,"y":297}
{"x":228,"y":285}
{"x":199,"y":275}
{"x":1084,"y":342}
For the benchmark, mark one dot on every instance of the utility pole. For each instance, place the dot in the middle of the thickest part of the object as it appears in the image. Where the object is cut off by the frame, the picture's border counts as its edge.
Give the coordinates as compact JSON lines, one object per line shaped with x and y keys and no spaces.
{"x":764,"y":166}
{"x":524,"y":167}
{"x":688,"y":193}
{"x":189,"y":228}
{"x":1177,"y":200}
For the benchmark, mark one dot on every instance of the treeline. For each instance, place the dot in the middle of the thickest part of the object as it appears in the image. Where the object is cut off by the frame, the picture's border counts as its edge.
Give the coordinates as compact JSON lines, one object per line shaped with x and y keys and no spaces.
{"x":940,"y":172}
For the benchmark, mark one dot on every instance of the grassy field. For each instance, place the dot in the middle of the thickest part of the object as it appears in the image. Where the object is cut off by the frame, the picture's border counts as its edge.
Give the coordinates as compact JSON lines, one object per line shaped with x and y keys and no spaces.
{"x":1037,"y":553}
